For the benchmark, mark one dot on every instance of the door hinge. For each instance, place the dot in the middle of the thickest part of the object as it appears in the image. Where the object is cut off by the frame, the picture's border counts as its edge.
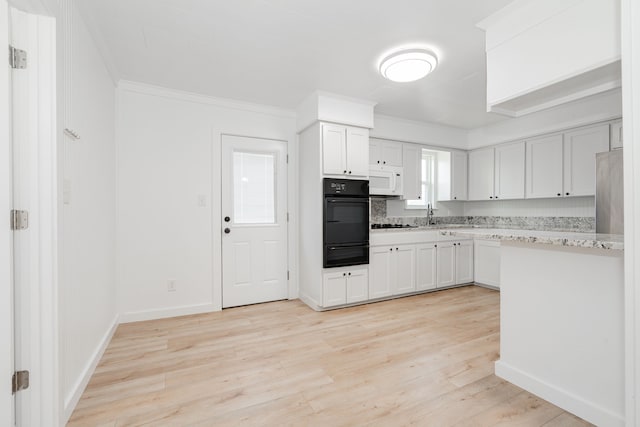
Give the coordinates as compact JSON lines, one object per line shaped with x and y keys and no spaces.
{"x":19,"y":220}
{"x":287,"y":158}
{"x":20,"y":381}
{"x":17,"y":58}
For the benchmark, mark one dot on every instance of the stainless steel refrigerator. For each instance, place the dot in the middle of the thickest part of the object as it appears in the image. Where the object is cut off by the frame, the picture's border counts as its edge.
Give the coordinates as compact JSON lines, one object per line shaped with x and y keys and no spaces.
{"x":609,"y":193}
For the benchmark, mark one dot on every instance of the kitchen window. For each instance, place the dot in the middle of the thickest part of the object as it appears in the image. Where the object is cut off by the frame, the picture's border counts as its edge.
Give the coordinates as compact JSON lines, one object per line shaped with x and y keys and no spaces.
{"x":428,"y":182}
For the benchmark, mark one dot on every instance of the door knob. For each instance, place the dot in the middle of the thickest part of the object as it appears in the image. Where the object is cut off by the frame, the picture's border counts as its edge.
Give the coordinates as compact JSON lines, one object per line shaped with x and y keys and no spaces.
{"x":227,"y":219}
{"x":227,"y":230}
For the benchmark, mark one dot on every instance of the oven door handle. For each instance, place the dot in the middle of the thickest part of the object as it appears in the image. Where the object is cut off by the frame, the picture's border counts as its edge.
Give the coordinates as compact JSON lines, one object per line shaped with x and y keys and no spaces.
{"x":333,"y":248}
{"x":349,"y":200}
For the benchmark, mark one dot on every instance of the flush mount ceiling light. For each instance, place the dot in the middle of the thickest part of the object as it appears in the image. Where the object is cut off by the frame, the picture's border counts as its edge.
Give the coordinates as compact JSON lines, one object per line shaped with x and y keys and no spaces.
{"x":408,"y":65}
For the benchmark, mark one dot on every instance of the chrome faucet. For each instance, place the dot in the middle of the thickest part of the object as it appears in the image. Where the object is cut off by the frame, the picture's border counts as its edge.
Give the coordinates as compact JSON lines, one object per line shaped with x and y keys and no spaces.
{"x":430,"y":220}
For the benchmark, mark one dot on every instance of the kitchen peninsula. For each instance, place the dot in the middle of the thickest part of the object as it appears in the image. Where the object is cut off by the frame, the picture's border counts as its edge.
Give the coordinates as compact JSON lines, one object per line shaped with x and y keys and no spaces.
{"x":562,"y":318}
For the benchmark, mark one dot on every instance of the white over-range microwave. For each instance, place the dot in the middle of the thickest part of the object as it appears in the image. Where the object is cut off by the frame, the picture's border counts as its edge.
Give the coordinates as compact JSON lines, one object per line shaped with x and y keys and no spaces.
{"x":385,"y":181}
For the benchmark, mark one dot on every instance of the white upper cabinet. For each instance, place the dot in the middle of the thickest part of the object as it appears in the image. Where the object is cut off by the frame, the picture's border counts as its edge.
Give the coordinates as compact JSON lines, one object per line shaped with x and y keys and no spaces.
{"x":334,"y":150}
{"x":544,"y":167}
{"x":412,"y":185}
{"x":458,"y":175}
{"x":580,"y":149}
{"x":385,"y":153}
{"x":616,"y":135}
{"x":345,"y":151}
{"x":358,"y":152}
{"x":481,"y":174}
{"x":509,"y":171}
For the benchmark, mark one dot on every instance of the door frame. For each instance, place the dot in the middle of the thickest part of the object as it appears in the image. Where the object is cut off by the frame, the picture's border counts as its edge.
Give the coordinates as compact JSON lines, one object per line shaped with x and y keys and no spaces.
{"x":216,"y":211}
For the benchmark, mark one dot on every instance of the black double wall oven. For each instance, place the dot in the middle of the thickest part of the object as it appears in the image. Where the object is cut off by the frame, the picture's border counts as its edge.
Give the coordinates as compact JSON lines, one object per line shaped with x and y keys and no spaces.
{"x":346,"y":222}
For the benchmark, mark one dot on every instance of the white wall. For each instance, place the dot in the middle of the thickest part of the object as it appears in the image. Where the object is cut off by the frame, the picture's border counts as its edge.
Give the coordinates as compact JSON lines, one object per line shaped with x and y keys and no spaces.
{"x":597,"y":108}
{"x":87,"y":284}
{"x":432,"y":134}
{"x":168,"y":155}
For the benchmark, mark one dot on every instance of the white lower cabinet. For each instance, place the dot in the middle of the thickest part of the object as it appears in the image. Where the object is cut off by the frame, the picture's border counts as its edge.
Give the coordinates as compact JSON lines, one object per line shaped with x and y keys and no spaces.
{"x":344,"y":287}
{"x":357,"y":286}
{"x":487,"y":262}
{"x":455,"y":263}
{"x":380,"y":258}
{"x":426,"y":262}
{"x":405,"y":269}
{"x":393,"y":270}
{"x":446,"y":270}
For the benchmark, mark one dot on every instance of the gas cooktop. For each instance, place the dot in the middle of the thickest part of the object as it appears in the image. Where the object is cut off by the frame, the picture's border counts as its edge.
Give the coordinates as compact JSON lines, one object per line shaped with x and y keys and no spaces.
{"x":377,"y":226}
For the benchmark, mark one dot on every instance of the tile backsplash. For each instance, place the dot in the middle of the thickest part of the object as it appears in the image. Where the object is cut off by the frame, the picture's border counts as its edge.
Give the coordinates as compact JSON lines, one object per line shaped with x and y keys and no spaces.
{"x":571,"y":215}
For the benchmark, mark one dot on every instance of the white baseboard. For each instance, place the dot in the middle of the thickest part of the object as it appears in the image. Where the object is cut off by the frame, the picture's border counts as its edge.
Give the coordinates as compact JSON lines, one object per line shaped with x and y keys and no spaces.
{"x":139,"y":316}
{"x":72,"y":399}
{"x":309,"y":301}
{"x":559,"y":397}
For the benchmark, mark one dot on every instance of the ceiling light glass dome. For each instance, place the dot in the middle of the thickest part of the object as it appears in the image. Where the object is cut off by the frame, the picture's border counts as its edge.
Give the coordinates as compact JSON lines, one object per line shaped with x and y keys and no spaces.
{"x":408,"y":65}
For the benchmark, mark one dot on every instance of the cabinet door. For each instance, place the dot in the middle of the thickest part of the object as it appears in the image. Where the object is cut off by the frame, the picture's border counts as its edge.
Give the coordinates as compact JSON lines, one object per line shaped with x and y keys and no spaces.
{"x":334,"y":289}
{"x":580,"y":149}
{"x":426,"y":266}
{"x":481,"y":174}
{"x":381,"y":269}
{"x":358,"y":152}
{"x":464,"y":262}
{"x":509,"y":168}
{"x":458,"y":175}
{"x":616,"y":135}
{"x":405,"y":269}
{"x":544,"y":167}
{"x":412,"y":158}
{"x":446,"y":271}
{"x":487,"y":262}
{"x":374,"y":151}
{"x":357,"y":285}
{"x":391,"y":153}
{"x":334,"y":150}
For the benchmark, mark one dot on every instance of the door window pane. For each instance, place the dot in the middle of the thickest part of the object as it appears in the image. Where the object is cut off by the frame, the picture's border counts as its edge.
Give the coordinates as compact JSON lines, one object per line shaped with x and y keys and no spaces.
{"x":254,"y":192}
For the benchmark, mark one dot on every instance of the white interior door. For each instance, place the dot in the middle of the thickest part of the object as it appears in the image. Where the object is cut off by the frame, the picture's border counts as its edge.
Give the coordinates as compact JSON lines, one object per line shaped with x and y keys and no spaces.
{"x":254,"y":220}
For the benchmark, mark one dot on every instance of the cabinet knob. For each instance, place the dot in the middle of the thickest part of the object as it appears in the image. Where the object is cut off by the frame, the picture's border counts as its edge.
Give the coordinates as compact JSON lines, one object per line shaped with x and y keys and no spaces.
{"x":496,"y":197}
{"x":349,"y":172}
{"x":567,"y":194}
{"x":390,"y":249}
{"x":454,"y":197}
{"x":378,"y":161}
{"x":435,"y":246}
{"x":491,"y":197}
{"x":559,"y":194}
{"x":344,"y":274}
{"x":419,"y":197}
{"x":384,"y":162}
{"x":396,"y":249}
{"x":349,"y":274}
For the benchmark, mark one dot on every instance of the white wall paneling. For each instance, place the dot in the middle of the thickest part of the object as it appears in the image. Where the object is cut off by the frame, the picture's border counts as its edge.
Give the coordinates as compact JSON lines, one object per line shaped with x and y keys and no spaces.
{"x":168,"y":159}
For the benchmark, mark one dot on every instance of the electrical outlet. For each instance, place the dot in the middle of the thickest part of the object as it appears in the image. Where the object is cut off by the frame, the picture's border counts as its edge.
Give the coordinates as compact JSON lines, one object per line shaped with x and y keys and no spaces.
{"x":171,"y":285}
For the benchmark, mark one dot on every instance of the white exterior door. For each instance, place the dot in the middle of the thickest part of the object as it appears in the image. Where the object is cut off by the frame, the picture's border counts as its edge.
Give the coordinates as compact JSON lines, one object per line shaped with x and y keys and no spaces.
{"x":254,"y":213}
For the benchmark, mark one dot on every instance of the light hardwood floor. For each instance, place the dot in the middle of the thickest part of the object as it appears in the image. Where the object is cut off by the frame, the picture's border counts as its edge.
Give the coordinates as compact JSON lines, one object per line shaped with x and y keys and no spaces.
{"x":423,"y":360}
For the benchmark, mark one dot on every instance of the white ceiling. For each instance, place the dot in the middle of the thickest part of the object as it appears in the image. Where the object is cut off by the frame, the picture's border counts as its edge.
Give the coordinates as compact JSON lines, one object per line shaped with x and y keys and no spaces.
{"x":277,"y":52}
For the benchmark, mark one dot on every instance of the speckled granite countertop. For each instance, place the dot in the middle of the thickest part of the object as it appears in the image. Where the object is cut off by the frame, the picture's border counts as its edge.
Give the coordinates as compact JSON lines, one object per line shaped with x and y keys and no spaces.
{"x":559,"y":238}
